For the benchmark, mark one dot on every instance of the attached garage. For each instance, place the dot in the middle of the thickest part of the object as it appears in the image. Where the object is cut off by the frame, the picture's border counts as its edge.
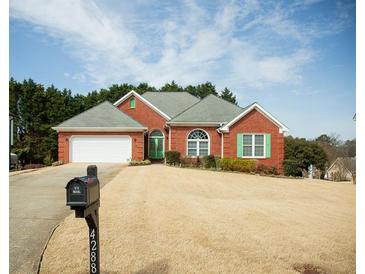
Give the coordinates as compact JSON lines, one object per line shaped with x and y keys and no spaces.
{"x":100,"y":149}
{"x":102,"y":134}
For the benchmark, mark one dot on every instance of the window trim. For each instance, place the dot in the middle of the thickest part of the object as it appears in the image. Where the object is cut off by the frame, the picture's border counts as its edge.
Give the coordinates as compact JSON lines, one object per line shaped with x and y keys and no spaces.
{"x":134,"y":103}
{"x":253,"y":146}
{"x":197,"y":144}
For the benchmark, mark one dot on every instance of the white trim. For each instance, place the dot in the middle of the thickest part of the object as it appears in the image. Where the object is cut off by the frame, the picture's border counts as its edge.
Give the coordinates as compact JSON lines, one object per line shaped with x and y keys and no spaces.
{"x":253,"y":146}
{"x":86,"y":135}
{"x":194,"y":123}
{"x":332,"y":164}
{"x":135,"y":94}
{"x":99,"y":129}
{"x":197,"y":147}
{"x":282,"y":127}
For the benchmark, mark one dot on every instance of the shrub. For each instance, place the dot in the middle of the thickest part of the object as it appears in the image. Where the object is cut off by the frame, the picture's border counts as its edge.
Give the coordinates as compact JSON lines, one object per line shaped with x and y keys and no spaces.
{"x":226,"y":164}
{"x":241,"y":165}
{"x":209,"y":161}
{"x":140,"y":163}
{"x":33,"y":166}
{"x":172,"y":157}
{"x":274,"y":170}
{"x":266,"y":170}
{"x":198,"y":162}
{"x":48,"y":160}
{"x":292,"y":168}
{"x":187,"y":162}
{"x":58,"y":163}
{"x":217,"y":160}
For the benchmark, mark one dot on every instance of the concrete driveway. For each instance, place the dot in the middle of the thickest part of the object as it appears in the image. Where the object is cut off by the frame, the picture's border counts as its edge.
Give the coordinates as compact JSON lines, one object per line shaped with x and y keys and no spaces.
{"x":37,"y":205}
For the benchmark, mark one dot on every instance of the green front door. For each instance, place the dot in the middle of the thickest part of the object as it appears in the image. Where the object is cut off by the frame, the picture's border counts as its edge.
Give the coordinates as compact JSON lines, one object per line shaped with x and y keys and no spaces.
{"x":156,"y":145}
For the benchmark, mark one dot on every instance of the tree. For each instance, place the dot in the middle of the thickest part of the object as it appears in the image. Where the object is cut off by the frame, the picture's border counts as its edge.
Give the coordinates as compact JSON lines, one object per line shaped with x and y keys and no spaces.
{"x":144,"y":87}
{"x":300,"y":154}
{"x":349,"y":148}
{"x":329,"y":145}
{"x":38,"y":109}
{"x":192,"y":90}
{"x":227,"y":95}
{"x":335,"y":147}
{"x":205,"y":89}
{"x":171,"y":87}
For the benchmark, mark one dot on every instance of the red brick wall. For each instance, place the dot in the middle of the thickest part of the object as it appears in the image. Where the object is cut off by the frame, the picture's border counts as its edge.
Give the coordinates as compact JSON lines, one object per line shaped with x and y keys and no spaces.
{"x":63,"y":143}
{"x":255,"y":122}
{"x":146,"y":116}
{"x":179,"y":137}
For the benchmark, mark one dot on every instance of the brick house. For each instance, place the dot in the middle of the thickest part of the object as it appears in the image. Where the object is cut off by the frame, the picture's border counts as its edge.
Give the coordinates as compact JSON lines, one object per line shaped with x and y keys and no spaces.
{"x":146,"y":126}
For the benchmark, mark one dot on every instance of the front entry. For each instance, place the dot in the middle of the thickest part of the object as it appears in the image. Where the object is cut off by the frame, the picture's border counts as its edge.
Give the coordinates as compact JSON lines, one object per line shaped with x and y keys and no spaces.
{"x":156,"y":145}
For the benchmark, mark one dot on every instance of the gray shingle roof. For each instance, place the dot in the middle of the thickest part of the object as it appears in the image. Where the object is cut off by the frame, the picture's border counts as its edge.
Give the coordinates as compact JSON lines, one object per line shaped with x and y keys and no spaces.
{"x":103,"y":115}
{"x":209,"y":109}
{"x":171,"y":103}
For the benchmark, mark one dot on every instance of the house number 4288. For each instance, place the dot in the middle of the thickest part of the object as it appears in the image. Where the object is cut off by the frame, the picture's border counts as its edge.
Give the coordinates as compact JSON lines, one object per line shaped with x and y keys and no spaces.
{"x":93,"y":247}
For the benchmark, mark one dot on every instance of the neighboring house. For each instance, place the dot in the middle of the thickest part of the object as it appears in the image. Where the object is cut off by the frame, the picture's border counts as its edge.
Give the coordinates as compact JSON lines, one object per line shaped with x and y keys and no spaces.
{"x":146,"y":126}
{"x":342,"y":169}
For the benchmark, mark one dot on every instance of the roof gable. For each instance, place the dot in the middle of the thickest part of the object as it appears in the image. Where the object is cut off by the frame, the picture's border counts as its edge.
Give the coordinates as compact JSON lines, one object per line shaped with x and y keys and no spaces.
{"x":148,"y":103}
{"x":211,"y":109}
{"x":248,"y":109}
{"x":102,"y":116}
{"x":348,"y":163}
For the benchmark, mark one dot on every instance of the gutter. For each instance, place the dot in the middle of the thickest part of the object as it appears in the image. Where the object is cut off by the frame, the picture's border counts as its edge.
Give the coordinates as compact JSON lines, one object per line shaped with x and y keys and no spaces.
{"x":195,"y":123}
{"x":99,"y":129}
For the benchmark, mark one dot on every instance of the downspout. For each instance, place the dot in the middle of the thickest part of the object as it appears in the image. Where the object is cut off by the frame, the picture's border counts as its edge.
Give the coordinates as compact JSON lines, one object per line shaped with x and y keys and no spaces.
{"x":169,"y":137}
{"x":222,"y":144}
{"x":222,"y":141}
{"x":144,"y":134}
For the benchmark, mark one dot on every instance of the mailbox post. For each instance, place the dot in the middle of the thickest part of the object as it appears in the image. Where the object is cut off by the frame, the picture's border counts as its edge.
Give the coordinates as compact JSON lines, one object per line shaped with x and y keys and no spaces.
{"x":83,"y":196}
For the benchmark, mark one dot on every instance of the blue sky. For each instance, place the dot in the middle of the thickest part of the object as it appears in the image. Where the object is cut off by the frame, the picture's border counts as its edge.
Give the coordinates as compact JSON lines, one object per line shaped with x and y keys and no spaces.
{"x":296,"y":58}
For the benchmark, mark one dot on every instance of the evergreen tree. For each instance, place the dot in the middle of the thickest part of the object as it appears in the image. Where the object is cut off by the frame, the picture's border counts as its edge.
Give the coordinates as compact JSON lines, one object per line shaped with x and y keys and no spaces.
{"x":171,"y":87}
{"x":227,"y":95}
{"x":205,"y":89}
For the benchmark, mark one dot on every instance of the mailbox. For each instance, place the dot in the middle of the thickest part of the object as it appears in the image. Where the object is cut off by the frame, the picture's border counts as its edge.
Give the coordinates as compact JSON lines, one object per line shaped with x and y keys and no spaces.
{"x":83,"y":196}
{"x":81,"y":192}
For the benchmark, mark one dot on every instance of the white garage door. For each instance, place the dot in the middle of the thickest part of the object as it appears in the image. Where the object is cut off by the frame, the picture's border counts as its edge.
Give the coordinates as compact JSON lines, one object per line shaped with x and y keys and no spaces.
{"x":100,"y":149}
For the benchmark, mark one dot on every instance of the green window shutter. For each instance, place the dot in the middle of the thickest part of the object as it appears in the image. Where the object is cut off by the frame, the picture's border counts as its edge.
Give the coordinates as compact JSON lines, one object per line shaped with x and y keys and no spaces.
{"x":268,"y":146}
{"x":132,"y":103}
{"x":239,"y":145}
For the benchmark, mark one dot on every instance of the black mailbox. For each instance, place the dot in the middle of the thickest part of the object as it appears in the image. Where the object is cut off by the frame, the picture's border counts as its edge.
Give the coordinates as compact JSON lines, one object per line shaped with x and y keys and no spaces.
{"x":83,"y":191}
{"x":82,"y":195}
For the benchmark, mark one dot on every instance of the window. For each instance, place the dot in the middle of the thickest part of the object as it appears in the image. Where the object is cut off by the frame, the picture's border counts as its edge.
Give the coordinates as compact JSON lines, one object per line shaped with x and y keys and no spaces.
{"x":253,"y":145}
{"x":198,"y":143}
{"x":132,"y":103}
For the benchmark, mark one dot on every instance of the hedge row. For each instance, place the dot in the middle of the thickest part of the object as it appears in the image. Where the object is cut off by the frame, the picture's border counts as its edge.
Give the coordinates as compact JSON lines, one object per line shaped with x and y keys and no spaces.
{"x":215,"y":162}
{"x":240,"y":165}
{"x":140,"y":163}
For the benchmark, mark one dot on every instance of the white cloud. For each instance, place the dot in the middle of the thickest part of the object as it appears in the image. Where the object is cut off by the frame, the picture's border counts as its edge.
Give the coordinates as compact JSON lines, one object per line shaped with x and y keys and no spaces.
{"x":237,"y":43}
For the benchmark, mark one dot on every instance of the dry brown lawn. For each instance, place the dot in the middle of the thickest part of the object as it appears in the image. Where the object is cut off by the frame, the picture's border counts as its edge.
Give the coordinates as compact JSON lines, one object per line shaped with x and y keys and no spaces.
{"x":160,"y":220}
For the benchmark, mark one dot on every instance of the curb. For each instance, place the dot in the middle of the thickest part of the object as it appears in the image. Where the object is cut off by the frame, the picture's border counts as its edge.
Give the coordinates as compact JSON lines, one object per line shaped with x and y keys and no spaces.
{"x":14,"y":173}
